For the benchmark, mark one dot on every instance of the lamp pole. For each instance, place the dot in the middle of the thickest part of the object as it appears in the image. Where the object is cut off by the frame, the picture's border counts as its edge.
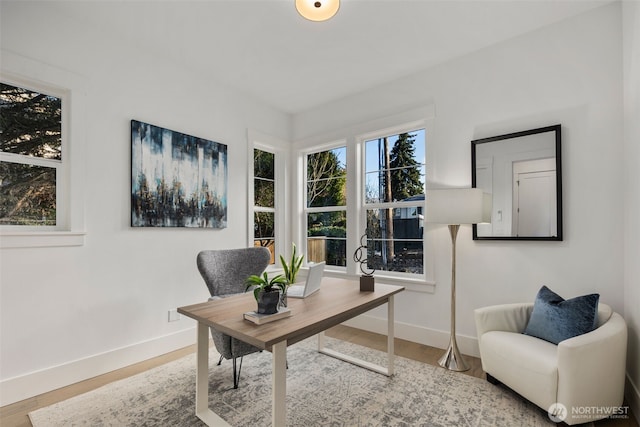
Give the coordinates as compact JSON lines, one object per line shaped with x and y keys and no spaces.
{"x":452,"y":358}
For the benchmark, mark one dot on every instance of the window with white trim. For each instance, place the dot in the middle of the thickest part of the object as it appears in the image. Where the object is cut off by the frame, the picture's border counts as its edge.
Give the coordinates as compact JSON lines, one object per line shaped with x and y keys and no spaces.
{"x":393,"y":205}
{"x":71,"y":89}
{"x":32,"y":159}
{"x":268,"y":165}
{"x":264,"y":200}
{"x":326,"y":206}
{"x":372,"y":184}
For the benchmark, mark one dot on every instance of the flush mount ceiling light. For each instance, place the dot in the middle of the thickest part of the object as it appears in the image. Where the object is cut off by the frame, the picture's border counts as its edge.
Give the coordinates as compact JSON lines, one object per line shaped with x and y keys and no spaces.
{"x":317,"y":10}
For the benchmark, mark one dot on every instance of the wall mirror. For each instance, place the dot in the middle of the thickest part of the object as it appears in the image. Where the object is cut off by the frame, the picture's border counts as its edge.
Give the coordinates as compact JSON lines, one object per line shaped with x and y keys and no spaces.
{"x":522,"y":173}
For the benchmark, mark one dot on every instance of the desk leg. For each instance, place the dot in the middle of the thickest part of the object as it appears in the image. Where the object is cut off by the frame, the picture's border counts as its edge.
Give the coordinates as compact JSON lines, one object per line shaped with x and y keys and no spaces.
{"x":390,"y":337}
{"x":279,"y":397}
{"x":202,"y":380}
{"x":388,"y":370}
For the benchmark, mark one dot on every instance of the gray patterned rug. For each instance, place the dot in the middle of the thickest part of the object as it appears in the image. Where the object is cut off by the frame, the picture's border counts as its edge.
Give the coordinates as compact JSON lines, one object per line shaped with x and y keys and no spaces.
{"x":321,"y":391}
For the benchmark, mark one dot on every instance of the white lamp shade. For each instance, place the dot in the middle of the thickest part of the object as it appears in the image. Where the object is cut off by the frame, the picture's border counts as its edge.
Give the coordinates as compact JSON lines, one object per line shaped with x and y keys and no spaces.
{"x":458,"y":206}
{"x":317,"y":10}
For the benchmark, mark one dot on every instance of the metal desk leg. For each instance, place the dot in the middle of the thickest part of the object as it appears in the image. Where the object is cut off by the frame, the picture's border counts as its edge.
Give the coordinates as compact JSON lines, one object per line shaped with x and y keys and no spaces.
{"x":388,"y":370}
{"x":202,"y":380}
{"x":279,"y":404}
{"x":390,"y":337}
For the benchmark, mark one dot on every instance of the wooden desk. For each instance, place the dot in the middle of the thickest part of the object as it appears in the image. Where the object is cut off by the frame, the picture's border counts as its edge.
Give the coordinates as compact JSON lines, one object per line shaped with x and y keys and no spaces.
{"x":337,"y":301}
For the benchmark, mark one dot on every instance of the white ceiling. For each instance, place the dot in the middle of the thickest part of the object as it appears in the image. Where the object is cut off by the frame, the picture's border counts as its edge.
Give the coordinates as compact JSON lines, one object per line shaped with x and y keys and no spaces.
{"x":265,"y":49}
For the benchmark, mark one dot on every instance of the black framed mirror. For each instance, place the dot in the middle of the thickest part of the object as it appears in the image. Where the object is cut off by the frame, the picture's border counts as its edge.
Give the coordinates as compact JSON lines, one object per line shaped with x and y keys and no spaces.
{"x":522,"y":173}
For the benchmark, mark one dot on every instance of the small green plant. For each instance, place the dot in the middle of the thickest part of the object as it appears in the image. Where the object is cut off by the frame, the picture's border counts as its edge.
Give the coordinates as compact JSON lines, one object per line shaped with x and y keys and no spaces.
{"x":264,"y":284}
{"x":291,"y":269}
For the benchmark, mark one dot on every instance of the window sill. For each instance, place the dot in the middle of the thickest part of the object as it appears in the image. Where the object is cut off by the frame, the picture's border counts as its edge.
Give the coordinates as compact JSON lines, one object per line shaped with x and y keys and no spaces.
{"x":41,"y":239}
{"x":414,"y":285}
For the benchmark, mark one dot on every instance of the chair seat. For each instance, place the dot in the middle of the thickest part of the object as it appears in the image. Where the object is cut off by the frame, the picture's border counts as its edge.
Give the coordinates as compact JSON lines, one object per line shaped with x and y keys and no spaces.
{"x":527,"y":364}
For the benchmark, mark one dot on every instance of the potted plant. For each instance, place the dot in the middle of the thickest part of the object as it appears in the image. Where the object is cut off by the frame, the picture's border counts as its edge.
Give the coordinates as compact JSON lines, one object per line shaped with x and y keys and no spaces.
{"x":267,"y":291}
{"x":290,"y":270}
{"x":293,"y":266}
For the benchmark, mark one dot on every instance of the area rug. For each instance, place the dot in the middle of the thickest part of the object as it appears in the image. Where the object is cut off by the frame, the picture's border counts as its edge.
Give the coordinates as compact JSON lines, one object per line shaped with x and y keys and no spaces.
{"x":321,"y":391}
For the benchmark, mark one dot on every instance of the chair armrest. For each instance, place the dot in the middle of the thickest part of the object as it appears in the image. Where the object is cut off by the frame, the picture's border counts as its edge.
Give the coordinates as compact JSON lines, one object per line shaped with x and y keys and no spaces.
{"x":504,"y":317}
{"x":591,"y":367}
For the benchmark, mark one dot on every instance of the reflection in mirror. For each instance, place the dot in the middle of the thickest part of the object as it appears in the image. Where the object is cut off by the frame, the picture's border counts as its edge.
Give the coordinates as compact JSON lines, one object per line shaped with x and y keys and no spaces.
{"x":522,"y":172}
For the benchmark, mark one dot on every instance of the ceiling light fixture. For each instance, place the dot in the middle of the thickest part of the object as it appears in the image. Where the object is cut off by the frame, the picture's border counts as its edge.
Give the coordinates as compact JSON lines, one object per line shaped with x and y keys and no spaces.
{"x":317,"y":10}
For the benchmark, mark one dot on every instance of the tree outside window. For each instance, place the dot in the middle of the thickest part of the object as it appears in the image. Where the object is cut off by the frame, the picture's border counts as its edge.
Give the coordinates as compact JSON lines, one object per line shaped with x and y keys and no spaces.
{"x":326,"y":206}
{"x":31,"y":156}
{"x":264,"y":200}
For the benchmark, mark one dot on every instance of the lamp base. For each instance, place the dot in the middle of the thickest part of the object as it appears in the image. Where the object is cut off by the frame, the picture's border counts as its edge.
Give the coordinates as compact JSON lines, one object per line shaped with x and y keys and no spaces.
{"x":452,"y":358}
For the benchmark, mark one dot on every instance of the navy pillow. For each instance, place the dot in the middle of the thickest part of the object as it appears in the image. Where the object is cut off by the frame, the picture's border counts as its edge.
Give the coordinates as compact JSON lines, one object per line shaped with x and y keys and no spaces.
{"x":555,"y":319}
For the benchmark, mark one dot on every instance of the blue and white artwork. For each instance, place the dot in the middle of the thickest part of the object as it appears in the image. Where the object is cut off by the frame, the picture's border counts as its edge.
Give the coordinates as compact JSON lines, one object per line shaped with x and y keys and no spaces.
{"x":177,"y":180}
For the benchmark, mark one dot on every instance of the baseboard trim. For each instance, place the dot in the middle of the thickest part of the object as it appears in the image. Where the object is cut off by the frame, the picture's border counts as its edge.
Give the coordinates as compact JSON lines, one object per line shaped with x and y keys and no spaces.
{"x":32,"y":384}
{"x":431,"y":337}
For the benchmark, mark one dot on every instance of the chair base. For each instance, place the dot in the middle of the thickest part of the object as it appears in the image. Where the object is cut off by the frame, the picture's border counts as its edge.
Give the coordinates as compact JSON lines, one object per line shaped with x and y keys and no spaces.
{"x":236,"y":370}
{"x":491,"y":379}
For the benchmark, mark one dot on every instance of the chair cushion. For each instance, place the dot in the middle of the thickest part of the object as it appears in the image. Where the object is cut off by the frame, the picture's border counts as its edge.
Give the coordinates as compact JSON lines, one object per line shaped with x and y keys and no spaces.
{"x":555,"y":319}
{"x":525,"y":364}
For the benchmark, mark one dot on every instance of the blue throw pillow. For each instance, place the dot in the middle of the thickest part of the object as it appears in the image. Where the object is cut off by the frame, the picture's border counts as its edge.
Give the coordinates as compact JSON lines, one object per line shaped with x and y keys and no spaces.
{"x":555,"y":319}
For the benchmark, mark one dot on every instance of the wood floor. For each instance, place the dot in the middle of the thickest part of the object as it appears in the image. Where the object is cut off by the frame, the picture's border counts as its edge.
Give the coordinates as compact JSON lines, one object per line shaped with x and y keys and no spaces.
{"x":15,"y":415}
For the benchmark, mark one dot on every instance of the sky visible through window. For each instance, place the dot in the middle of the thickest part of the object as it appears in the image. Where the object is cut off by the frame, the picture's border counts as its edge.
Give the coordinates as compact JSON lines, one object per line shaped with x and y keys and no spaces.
{"x":371,"y":161}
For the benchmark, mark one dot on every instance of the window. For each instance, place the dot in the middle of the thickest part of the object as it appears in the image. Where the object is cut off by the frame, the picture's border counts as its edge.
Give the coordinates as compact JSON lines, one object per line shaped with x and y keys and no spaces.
{"x":326,"y":206}
{"x":268,"y":159}
{"x":31,"y":158}
{"x":394,"y":188}
{"x":43,"y":81}
{"x":371,"y":183}
{"x":264,"y":203}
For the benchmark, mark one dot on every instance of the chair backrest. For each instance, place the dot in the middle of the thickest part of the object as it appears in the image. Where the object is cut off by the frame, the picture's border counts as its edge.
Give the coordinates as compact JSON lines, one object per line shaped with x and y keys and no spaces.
{"x":604,"y":314}
{"x":225,"y":271}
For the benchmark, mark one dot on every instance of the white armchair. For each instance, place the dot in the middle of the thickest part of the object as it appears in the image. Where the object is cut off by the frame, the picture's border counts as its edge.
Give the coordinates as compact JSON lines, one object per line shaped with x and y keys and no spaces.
{"x":586,"y":373}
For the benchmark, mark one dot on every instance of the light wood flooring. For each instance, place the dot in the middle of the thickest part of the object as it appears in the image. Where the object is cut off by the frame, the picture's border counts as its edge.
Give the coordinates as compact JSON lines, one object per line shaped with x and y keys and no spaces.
{"x":15,"y":415}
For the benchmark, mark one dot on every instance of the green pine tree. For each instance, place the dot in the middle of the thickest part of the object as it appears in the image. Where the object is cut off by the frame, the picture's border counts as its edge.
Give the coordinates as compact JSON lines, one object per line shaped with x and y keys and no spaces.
{"x":405,"y":170}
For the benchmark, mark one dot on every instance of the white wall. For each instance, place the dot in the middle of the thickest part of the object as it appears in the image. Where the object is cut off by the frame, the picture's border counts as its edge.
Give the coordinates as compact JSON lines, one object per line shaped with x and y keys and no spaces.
{"x":71,"y":313}
{"x":568,"y":73}
{"x":631,"y":52}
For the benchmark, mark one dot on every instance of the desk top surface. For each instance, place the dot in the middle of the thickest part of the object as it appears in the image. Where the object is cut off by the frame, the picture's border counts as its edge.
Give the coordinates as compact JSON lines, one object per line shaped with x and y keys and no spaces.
{"x":337,"y":300}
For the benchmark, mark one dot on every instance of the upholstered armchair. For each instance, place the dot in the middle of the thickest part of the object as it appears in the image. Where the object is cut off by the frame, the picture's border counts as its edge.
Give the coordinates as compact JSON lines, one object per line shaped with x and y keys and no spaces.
{"x":225,"y":272}
{"x":585,"y":373}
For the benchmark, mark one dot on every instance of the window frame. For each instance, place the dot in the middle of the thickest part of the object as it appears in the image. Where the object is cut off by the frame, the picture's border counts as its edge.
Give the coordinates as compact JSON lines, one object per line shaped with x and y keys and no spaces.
{"x":71,"y":89}
{"x":354,"y":137}
{"x":280,"y":151}
{"x":364,"y":206}
{"x":306,"y":210}
{"x":60,"y":166}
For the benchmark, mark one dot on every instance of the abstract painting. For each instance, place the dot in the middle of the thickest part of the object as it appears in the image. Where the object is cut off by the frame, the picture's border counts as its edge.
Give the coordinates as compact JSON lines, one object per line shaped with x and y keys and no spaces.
{"x":177,"y":180}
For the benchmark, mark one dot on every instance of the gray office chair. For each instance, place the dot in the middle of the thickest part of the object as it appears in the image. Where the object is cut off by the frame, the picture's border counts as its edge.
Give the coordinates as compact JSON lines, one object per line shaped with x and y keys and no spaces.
{"x":225,"y":272}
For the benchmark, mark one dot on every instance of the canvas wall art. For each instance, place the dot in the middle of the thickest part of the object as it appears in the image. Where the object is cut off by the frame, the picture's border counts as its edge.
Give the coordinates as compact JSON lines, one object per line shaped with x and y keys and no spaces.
{"x":177,"y":180}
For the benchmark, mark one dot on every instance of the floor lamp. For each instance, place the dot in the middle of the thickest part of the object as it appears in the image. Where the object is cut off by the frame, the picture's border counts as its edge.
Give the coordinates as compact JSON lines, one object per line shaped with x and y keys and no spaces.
{"x":453,"y":207}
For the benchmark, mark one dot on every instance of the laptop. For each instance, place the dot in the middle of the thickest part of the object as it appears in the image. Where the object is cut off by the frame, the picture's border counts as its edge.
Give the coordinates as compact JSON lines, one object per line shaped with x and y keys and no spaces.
{"x":312,"y":284}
